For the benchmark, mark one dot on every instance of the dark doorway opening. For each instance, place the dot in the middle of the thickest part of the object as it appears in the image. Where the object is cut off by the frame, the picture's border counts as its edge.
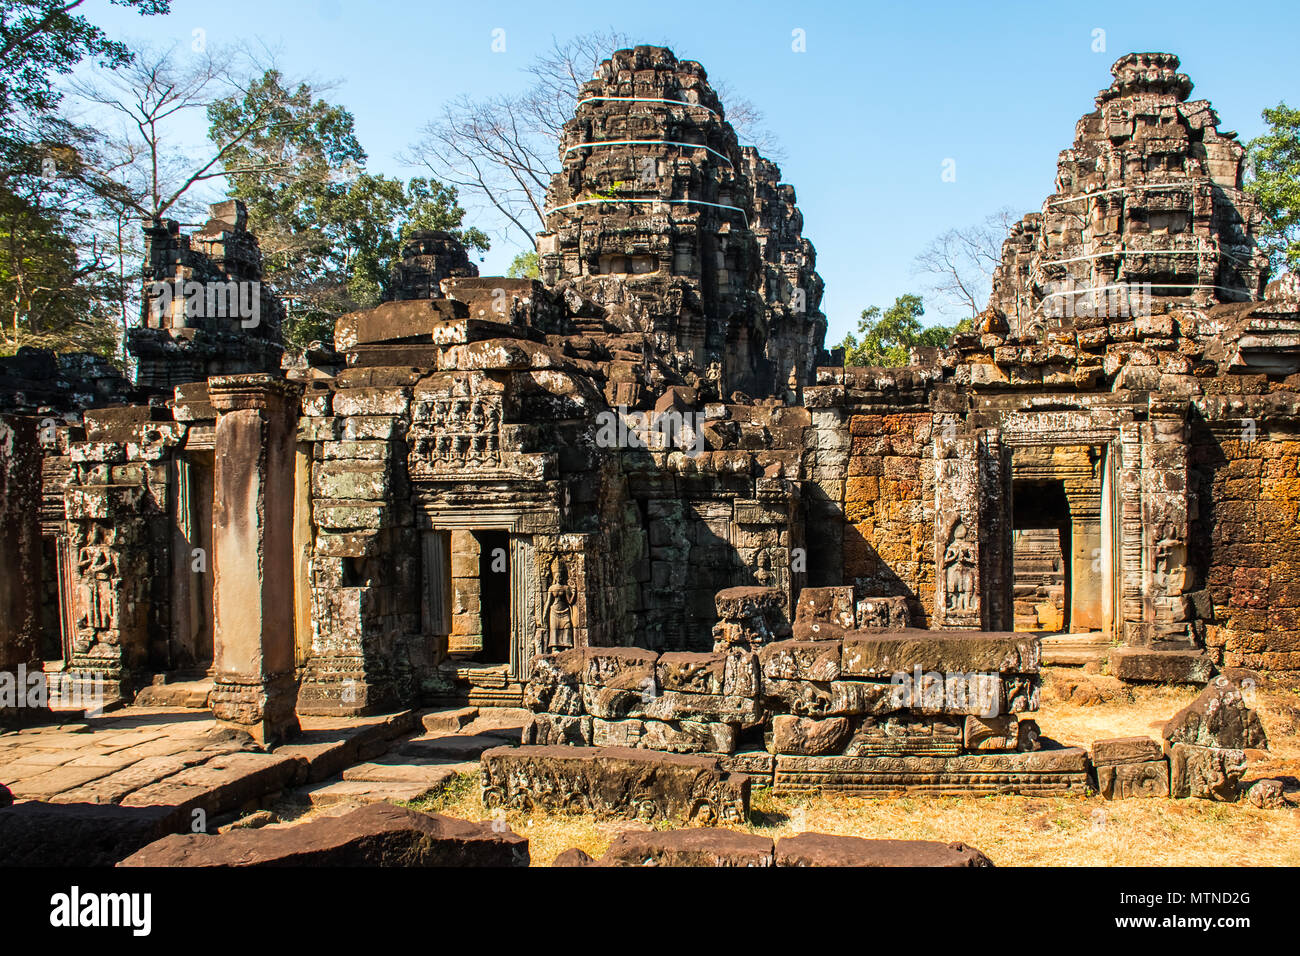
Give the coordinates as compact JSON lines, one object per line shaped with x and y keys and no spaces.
{"x":1041,"y":536}
{"x":494,"y":595}
{"x":51,"y":618}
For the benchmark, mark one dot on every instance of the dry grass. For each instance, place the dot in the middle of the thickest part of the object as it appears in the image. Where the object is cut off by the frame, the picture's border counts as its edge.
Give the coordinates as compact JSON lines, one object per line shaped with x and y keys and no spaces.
{"x":1013,"y":830}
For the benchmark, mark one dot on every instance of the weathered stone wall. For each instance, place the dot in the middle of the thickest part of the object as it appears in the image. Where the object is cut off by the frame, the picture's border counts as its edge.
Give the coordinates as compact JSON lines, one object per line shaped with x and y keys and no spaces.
{"x":1246,"y":536}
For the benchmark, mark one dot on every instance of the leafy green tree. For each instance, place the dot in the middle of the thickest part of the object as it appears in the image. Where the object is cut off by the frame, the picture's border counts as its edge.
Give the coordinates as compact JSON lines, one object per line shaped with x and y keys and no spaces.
{"x":526,"y":265}
{"x":43,"y":39}
{"x":888,"y":336}
{"x":1275,"y":157}
{"x":330,"y":232}
{"x":57,"y":285}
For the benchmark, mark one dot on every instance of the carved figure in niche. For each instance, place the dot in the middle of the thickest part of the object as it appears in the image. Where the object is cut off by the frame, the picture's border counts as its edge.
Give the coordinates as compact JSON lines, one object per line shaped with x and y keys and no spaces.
{"x":959,"y":569}
{"x":764,"y":576}
{"x":96,"y":572}
{"x":558,"y":611}
{"x":1167,"y":551}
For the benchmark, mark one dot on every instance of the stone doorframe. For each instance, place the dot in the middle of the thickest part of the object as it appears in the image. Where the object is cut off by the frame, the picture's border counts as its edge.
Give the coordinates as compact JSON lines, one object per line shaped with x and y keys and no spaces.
{"x":1084,"y":427}
{"x":1144,"y":506}
{"x":433,"y":520}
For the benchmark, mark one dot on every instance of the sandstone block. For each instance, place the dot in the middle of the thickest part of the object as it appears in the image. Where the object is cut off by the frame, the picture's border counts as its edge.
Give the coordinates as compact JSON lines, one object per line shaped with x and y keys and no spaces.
{"x":376,"y":835}
{"x":613,"y":782}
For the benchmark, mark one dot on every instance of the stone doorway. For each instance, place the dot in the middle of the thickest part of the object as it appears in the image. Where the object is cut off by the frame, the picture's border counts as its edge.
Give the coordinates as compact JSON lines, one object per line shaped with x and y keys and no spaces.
{"x":1060,"y":554}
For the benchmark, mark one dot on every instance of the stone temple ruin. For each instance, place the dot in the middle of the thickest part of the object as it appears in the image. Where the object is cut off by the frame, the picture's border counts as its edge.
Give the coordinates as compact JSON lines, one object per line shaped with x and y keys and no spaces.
{"x":640,"y":497}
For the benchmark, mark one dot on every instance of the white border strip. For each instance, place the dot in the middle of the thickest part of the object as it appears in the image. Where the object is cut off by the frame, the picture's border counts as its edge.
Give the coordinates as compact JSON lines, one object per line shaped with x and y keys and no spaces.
{"x":650,"y":142}
{"x":644,"y":99}
{"x":671,"y":202}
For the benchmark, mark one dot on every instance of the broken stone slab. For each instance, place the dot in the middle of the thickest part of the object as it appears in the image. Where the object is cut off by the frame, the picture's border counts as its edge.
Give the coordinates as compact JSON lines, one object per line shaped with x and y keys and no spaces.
{"x":1123,"y":781}
{"x":1219,"y":717}
{"x":821,"y":849}
{"x":693,"y":847}
{"x":376,"y":835}
{"x":879,"y":656}
{"x":1168,"y":667}
{"x":1208,"y":773}
{"x":80,"y":834}
{"x":809,"y":737}
{"x":615,"y":782}
{"x":801,"y":660}
{"x":1062,"y":772}
{"x":730,"y":674}
{"x":1122,"y":750}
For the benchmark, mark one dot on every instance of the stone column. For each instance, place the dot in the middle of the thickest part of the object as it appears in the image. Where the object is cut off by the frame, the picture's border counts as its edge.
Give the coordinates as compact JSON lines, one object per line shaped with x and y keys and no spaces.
{"x":20,"y":564}
{"x":252,"y":560}
{"x":957,"y":557}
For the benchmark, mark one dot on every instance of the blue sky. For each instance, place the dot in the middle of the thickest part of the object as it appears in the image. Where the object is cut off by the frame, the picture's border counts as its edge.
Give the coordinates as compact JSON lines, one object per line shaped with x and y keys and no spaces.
{"x":865,"y":117}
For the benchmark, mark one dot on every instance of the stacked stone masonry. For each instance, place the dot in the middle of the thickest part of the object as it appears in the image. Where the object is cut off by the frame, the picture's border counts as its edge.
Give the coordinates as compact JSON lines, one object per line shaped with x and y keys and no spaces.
{"x":638,"y":494}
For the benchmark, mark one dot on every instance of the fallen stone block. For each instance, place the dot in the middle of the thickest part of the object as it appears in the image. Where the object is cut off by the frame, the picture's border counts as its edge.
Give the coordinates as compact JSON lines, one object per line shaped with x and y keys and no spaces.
{"x":1120,"y":750}
{"x":821,"y":849}
{"x":803,"y":735}
{"x":830,"y":605}
{"x":574,"y":857}
{"x":377,"y":835}
{"x":1219,"y":717}
{"x":614,"y":782}
{"x":991,"y":733}
{"x":694,"y":847}
{"x":1267,"y":795}
{"x":885,"y":613}
{"x":1167,"y":667}
{"x":1209,"y":773}
{"x":1129,"y":780}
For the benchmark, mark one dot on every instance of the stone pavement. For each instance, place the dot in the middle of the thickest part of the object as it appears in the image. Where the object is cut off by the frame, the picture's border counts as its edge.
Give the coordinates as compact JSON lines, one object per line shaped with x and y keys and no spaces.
{"x":423,"y":763}
{"x":140,"y":773}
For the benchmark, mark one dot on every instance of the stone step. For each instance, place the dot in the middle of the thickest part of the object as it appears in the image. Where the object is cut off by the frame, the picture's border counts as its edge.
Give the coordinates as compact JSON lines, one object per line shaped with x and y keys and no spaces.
{"x":335,"y":792}
{"x":1170,"y":667}
{"x":192,"y":695}
{"x":1075,"y":649}
{"x":448,"y":746}
{"x":449,"y":720}
{"x":434,"y":775}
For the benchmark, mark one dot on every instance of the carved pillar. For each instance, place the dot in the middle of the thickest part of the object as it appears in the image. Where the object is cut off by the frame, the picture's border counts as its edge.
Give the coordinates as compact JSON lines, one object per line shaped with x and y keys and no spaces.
{"x":20,"y":564}
{"x":252,"y":559}
{"x":957,"y":562}
{"x":1165,"y":520}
